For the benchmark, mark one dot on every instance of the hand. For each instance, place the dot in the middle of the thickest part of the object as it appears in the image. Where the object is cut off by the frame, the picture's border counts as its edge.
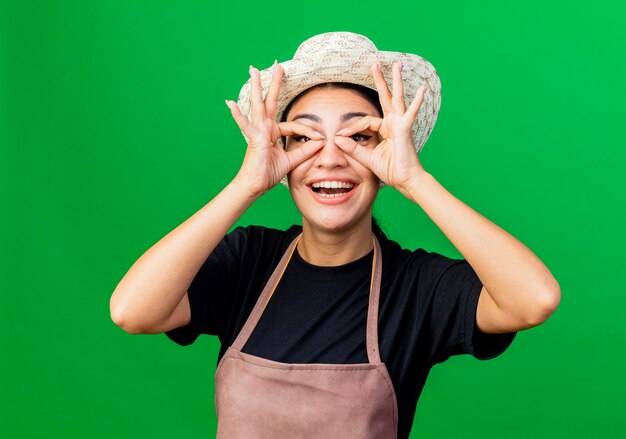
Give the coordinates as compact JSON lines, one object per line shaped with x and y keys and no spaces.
{"x":266,"y":162}
{"x":394,"y":159}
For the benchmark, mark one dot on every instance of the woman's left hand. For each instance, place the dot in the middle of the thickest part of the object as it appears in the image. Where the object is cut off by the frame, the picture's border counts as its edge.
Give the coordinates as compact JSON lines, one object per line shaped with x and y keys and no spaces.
{"x":394,"y":159}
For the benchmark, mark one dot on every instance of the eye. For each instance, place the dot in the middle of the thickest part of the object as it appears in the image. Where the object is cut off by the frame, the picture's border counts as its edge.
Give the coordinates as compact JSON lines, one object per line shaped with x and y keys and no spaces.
{"x":360,"y":137}
{"x":301,"y":139}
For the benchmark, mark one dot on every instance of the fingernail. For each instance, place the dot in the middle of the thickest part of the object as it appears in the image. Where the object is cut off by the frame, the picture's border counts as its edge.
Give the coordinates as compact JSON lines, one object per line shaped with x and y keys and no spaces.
{"x":317,"y":133}
{"x":342,"y":132}
{"x":251,"y":69}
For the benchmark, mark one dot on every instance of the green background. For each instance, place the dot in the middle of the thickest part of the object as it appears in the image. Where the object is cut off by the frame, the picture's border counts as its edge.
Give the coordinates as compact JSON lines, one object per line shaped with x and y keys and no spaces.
{"x":113,"y":130}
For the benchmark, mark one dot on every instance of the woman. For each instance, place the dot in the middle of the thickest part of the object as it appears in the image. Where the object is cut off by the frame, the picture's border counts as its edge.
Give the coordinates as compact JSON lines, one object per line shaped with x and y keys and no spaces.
{"x":330,"y":329}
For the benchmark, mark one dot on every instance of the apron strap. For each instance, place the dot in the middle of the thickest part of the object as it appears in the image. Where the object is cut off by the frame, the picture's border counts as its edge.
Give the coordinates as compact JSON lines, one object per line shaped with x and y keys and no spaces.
{"x":373,"y":353}
{"x":265,"y":296}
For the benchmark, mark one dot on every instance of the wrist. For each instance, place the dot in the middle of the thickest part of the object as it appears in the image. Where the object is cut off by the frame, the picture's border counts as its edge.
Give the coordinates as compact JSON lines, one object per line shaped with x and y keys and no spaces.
{"x":245,"y":189}
{"x":415,"y":187}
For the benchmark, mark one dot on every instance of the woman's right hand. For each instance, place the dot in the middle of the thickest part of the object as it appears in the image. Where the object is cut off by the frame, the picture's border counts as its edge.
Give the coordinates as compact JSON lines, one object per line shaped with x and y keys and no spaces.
{"x":266,"y":162}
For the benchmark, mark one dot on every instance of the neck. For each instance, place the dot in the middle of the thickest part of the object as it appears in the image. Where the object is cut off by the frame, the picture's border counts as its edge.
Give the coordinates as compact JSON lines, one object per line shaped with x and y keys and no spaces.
{"x":331,"y":248}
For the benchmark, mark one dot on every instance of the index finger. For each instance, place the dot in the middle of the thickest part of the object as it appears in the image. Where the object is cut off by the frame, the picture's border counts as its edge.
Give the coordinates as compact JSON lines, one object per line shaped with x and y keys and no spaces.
{"x":291,"y":128}
{"x":367,"y":122}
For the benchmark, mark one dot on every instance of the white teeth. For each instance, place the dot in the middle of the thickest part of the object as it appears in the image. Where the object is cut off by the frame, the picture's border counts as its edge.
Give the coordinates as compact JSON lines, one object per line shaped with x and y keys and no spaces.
{"x":332,"y":185}
{"x":330,"y":195}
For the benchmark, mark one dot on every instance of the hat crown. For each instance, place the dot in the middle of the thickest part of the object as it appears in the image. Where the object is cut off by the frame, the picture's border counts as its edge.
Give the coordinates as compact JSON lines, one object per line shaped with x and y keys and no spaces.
{"x":334,"y":42}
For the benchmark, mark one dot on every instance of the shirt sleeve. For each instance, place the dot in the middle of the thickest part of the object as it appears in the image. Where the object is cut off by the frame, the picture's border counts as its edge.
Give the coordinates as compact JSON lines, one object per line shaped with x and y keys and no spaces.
{"x":210,"y":292}
{"x":451,"y":303}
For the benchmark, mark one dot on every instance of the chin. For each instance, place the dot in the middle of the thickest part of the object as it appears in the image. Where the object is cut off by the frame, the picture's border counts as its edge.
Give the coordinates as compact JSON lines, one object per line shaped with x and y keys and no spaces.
{"x":337,"y":215}
{"x":333,"y":223}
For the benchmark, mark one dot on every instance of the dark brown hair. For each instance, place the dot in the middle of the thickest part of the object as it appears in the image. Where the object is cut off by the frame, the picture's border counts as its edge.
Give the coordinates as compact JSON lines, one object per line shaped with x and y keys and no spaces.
{"x":367,"y":93}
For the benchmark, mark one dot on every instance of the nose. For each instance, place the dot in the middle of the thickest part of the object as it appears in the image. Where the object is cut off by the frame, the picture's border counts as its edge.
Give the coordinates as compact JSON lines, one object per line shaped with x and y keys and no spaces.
{"x":330,"y":155}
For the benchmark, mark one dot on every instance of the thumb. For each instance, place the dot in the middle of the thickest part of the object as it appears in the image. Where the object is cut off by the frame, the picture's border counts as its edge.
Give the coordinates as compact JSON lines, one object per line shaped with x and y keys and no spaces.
{"x":353,"y":149}
{"x":299,"y":155}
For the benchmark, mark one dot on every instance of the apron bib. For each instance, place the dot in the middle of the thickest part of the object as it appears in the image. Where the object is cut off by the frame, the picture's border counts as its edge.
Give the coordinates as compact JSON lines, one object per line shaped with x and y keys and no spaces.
{"x":260,"y":398}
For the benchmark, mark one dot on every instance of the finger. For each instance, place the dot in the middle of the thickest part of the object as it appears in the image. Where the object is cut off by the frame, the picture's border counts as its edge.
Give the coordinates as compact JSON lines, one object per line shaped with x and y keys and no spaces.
{"x":299,"y":155}
{"x":353,"y":149}
{"x":257,"y":108}
{"x":241,"y":120}
{"x":291,"y":128}
{"x":414,"y":108}
{"x":271,"y":99}
{"x":365,"y":123}
{"x":384,"y":95}
{"x":397,"y":99}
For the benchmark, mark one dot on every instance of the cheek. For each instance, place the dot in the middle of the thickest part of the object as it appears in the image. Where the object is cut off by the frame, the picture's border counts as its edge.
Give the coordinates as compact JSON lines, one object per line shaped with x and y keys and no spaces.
{"x":365,"y":172}
{"x":294,"y":176}
{"x":296,"y":188}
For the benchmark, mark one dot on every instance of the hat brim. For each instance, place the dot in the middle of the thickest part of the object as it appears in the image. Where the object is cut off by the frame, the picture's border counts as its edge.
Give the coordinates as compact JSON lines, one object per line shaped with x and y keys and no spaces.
{"x":355,"y":67}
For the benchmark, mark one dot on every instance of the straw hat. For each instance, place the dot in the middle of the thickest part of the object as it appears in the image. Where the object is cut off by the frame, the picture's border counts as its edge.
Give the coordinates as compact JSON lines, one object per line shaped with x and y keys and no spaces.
{"x":348,"y":57}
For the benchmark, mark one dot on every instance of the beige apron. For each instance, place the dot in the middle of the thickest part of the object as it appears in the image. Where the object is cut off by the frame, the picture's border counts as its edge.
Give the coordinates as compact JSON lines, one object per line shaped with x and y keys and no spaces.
{"x":260,"y":398}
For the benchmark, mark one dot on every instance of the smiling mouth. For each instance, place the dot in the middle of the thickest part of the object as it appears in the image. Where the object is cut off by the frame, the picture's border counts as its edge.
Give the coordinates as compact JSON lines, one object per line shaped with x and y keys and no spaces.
{"x":332,"y":189}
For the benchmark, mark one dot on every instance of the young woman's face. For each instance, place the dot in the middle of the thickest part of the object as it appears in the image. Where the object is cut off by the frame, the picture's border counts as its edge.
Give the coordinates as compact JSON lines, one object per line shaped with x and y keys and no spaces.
{"x":332,"y":190}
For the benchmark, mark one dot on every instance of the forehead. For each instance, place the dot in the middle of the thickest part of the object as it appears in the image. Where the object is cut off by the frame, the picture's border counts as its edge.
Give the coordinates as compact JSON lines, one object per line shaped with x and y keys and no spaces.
{"x":326,"y":100}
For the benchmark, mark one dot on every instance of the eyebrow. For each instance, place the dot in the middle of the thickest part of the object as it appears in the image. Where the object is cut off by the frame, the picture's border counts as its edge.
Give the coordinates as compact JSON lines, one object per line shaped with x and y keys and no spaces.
{"x":344,"y":117}
{"x":309,"y":116}
{"x":349,"y":116}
